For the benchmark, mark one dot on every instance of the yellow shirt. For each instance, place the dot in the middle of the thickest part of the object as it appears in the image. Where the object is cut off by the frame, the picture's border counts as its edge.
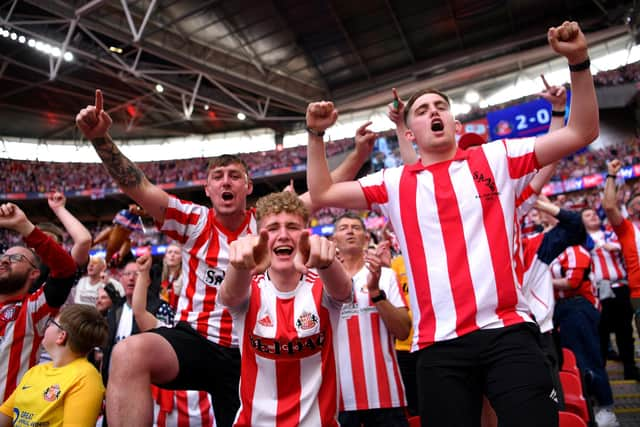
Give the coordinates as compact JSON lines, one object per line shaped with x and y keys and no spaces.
{"x":70,"y":395}
{"x":397,"y":265}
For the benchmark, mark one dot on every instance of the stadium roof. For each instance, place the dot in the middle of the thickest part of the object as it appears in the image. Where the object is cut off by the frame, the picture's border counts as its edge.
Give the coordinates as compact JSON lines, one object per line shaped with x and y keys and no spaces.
{"x":266,"y":59}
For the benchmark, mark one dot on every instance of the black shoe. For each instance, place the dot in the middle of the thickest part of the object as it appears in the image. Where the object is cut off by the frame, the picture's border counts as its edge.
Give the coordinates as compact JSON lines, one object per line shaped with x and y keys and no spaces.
{"x":632,"y":374}
{"x":613,"y":355}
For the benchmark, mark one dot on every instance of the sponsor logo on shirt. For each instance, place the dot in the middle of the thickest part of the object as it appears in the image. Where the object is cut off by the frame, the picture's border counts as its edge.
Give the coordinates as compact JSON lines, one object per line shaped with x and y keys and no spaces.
{"x":297,"y":348}
{"x":266,"y":321}
{"x":52,"y":393}
{"x":214,"y":277}
{"x":306,"y":321}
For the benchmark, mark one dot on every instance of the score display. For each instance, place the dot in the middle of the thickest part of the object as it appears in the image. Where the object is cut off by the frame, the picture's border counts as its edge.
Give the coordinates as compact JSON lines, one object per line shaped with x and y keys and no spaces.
{"x":520,"y":121}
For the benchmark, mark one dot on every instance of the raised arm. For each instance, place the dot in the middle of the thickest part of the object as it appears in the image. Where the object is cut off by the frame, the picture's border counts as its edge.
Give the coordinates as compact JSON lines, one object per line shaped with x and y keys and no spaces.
{"x":396,"y":319}
{"x":557,"y":96}
{"x":323,"y":191}
{"x":79,"y":234}
{"x":94,"y":123}
{"x":582,"y":128}
{"x":347,"y":170}
{"x":609,"y":202}
{"x":248,"y":255}
{"x":396,"y":113}
{"x":144,"y":318}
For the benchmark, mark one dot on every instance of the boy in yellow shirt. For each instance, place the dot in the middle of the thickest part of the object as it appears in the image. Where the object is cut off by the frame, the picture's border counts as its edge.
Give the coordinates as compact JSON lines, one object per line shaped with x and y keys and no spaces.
{"x":68,"y":390}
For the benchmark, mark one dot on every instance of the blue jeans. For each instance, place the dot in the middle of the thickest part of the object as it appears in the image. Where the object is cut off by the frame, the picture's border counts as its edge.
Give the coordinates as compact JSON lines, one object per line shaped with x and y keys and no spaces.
{"x":577,"y":319}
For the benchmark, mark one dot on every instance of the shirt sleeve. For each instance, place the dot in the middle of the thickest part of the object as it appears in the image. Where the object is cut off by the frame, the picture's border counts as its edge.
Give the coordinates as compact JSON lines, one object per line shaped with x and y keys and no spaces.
{"x":521,"y":162}
{"x":183,"y":221}
{"x":83,"y":402}
{"x":7,"y":406}
{"x":374,"y":188}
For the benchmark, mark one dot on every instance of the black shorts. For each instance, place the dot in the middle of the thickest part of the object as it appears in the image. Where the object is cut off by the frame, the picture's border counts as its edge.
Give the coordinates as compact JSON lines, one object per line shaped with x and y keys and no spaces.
{"x":203,"y":364}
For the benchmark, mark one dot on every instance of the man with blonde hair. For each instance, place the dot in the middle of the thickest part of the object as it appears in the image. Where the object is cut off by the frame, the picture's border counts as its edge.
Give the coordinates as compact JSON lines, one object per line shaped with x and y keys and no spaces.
{"x":285,"y":290}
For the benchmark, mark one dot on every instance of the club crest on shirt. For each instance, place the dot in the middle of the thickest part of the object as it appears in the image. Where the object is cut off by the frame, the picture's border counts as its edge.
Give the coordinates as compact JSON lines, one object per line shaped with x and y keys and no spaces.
{"x":9,"y":313}
{"x":306,"y":321}
{"x":490,"y":188}
{"x":52,"y":393}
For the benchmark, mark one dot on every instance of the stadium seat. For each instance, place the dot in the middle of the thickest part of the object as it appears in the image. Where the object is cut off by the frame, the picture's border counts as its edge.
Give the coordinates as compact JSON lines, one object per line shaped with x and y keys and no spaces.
{"x":414,"y":421}
{"x":567,"y":419}
{"x":573,"y":397}
{"x":569,"y":363}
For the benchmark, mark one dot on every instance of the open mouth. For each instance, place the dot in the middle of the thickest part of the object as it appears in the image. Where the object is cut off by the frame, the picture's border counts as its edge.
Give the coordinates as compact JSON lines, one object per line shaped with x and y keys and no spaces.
{"x":283,"y":250}
{"x":437,"y":125}
{"x":227,"y":195}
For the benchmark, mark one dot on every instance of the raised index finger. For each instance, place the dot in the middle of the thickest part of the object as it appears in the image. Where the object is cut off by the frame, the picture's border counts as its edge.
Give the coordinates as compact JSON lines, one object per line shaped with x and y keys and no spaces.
{"x":363,"y":128}
{"x":98,"y":101}
{"x":544,"y":81}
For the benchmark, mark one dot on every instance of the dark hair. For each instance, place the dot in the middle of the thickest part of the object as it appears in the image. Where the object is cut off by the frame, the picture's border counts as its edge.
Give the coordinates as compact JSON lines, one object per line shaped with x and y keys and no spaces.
{"x":417,"y":95}
{"x":350,"y":215}
{"x":633,"y":196}
{"x":49,"y":227}
{"x":226,"y":160}
{"x":112,"y":292}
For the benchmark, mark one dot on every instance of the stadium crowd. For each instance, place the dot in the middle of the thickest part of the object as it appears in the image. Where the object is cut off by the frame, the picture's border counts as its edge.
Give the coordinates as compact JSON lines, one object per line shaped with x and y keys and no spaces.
{"x":466,"y":283}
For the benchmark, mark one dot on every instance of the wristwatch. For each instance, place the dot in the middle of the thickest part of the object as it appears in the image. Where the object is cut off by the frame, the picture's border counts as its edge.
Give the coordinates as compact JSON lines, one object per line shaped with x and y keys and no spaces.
{"x":381,"y":297}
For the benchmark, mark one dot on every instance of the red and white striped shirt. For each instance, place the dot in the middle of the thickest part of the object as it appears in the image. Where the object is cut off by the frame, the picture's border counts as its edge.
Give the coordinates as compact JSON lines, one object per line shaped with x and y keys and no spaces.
{"x":182,"y":408}
{"x":22,"y":320}
{"x":629,"y":236}
{"x":606,"y":265}
{"x":369,"y":373}
{"x":456,"y":223}
{"x":205,"y":257}
{"x":289,"y":375}
{"x":574,"y":264}
{"x":537,"y":285}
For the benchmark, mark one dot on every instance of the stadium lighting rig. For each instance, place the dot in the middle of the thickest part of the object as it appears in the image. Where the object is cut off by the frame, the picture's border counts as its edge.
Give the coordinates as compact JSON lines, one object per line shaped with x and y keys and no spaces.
{"x":46,"y":48}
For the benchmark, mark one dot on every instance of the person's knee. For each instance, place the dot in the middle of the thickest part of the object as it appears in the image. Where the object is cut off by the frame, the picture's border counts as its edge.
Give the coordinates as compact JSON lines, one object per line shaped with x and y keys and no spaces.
{"x":132,"y":356}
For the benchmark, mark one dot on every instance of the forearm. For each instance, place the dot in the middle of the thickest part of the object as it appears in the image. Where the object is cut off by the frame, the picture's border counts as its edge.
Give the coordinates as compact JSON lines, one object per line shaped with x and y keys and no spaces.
{"x":234,"y":290}
{"x":144,"y":319}
{"x":396,"y":319}
{"x":561,"y":283}
{"x":5,"y":421}
{"x":336,"y":281}
{"x":407,"y":152}
{"x":584,"y":117}
{"x":557,"y":122}
{"x":126,"y":174}
{"x":318,"y":177}
{"x":610,"y":204}
{"x":79,"y":234}
{"x":547,"y":207}
{"x":53,"y":255}
{"x":543,"y":176}
{"x":131,"y":179}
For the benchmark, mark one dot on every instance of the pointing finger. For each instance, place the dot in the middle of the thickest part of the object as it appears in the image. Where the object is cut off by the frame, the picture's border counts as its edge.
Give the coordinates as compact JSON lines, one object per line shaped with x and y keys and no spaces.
{"x":544,"y":81}
{"x":98,"y":101}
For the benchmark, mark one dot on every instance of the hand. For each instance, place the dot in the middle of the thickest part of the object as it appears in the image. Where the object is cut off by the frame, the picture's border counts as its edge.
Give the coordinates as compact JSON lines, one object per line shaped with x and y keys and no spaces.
{"x":290,"y":188}
{"x":383,"y":252}
{"x":93,"y":121}
{"x":374,"y":265}
{"x":56,"y":200}
{"x":614,"y":166}
{"x":144,"y":264}
{"x":251,"y":253}
{"x":365,"y":140}
{"x":12,"y":217}
{"x":314,"y":252}
{"x":569,"y":41}
{"x":321,"y":115}
{"x":556,"y":95}
{"x":396,"y":110}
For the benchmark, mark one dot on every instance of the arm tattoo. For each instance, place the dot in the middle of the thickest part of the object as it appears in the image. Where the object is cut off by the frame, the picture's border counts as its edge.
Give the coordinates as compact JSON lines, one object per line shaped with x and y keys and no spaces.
{"x":122,"y":170}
